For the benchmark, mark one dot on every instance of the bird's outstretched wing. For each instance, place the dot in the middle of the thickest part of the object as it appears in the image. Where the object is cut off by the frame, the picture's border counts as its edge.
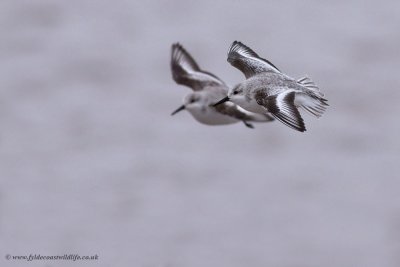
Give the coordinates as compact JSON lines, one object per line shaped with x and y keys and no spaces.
{"x":282,"y":107}
{"x":247,"y":61}
{"x":187,"y":72}
{"x":233,"y":110}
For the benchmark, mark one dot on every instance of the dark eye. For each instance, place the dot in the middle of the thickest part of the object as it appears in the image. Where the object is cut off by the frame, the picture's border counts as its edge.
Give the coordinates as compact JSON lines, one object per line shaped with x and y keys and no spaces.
{"x":235,"y":92}
{"x":192,"y":101}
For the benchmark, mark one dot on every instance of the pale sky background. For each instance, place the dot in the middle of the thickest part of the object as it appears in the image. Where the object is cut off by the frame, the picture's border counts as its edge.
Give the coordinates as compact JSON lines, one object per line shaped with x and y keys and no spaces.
{"x":91,"y":162}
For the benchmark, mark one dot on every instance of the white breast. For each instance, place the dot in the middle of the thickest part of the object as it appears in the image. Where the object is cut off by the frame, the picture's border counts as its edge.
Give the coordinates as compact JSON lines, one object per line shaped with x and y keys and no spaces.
{"x":211,"y":117}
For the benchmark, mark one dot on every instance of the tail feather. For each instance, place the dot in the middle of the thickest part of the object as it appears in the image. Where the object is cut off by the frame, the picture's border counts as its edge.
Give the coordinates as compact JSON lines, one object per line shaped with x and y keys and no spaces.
{"x":315,"y":105}
{"x":310,"y":84}
{"x":311,"y":101}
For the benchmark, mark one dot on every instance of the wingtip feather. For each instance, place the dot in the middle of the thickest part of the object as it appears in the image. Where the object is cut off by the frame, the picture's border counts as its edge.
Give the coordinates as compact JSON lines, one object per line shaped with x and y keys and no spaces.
{"x":181,"y":57}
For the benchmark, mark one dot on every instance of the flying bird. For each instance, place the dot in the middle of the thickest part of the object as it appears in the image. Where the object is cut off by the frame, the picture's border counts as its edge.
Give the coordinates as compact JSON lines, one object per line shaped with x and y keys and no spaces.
{"x":207,"y":90}
{"x":267,"y":90}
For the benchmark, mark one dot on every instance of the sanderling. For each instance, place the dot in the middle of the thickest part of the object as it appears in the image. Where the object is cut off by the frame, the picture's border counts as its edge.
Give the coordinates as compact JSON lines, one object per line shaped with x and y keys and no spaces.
{"x":207,"y":90}
{"x":267,"y":89}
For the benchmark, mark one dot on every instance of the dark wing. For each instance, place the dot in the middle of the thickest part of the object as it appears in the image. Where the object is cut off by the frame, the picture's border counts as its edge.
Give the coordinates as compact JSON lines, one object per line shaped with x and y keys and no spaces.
{"x":247,"y":61}
{"x":185,"y":70}
{"x":233,"y":110}
{"x":282,"y":108}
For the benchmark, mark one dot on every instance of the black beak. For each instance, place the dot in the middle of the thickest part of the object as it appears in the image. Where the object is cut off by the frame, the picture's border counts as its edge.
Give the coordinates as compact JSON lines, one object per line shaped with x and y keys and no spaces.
{"x":221,"y":101}
{"x":178,"y":109}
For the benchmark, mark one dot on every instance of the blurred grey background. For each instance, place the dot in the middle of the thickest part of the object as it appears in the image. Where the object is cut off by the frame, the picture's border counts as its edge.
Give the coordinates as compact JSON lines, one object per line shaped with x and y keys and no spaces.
{"x":91,"y":162}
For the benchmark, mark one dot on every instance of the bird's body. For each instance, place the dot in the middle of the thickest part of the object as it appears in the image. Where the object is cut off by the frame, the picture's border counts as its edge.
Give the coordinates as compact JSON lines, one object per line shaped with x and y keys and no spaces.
{"x":268,"y":90}
{"x":207,"y":90}
{"x":201,"y":110}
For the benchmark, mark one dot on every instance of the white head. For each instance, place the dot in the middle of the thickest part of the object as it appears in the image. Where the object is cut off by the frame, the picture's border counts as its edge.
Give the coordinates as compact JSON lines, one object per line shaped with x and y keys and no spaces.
{"x":235,"y":95}
{"x":193,"y":102}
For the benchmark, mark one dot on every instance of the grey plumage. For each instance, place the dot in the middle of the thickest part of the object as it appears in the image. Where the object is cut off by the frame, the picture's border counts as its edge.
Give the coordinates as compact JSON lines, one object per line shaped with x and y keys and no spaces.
{"x":246,"y":60}
{"x":207,"y":90}
{"x":185,"y":70}
{"x":267,"y":89}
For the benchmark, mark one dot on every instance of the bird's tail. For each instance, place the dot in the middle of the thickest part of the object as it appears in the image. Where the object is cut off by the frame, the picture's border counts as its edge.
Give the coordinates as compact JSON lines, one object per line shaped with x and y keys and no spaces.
{"x":311,"y":103}
{"x":310,"y":85}
{"x":312,"y":100}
